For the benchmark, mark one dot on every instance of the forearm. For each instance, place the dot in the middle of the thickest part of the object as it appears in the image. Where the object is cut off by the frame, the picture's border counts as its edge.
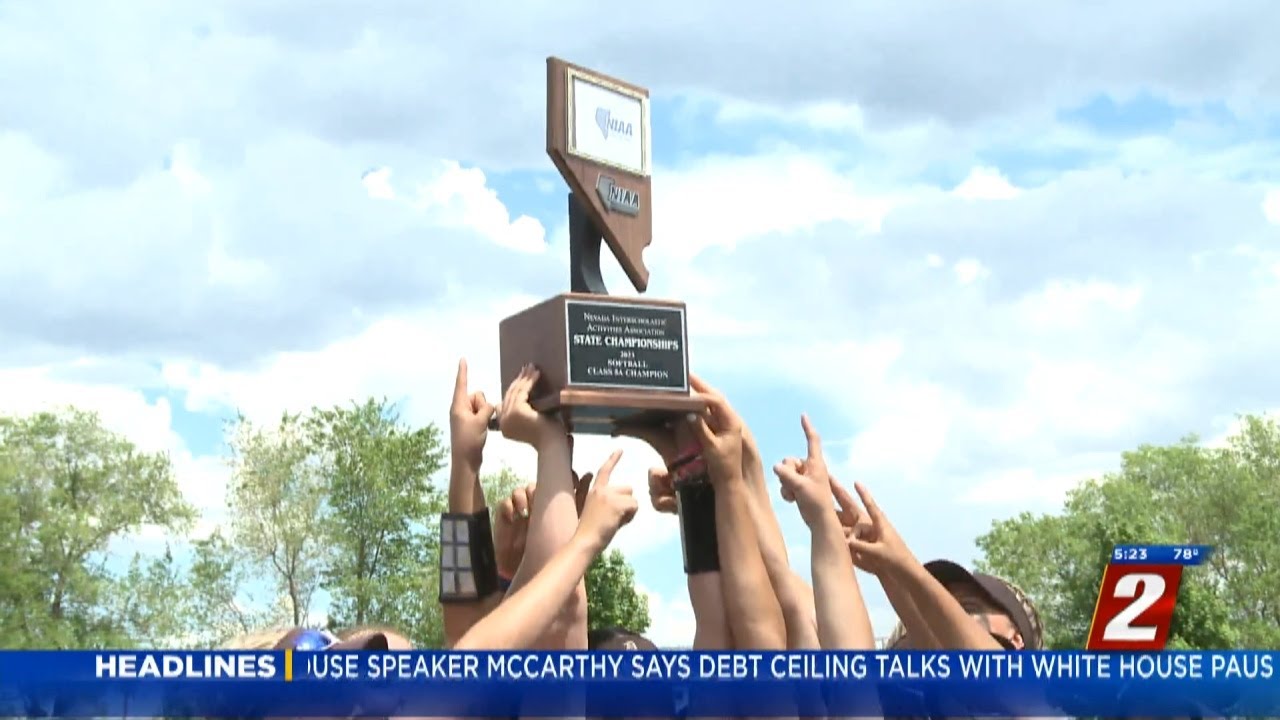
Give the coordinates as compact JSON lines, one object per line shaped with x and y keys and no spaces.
{"x":466,"y":495}
{"x":755,"y":618}
{"x":951,"y":626}
{"x":843,"y":623}
{"x":552,"y":522}
{"x":554,"y":515}
{"x":917,"y":630}
{"x":461,"y":617}
{"x":707,"y":598}
{"x":795,"y":603}
{"x":518,"y":622}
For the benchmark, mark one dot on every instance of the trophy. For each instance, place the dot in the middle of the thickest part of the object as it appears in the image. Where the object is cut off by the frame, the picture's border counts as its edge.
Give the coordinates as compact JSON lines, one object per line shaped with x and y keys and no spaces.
{"x":605,"y":360}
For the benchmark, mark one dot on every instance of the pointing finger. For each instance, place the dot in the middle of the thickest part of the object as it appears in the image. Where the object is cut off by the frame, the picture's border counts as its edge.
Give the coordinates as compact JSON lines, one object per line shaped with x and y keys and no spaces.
{"x":868,"y":502}
{"x":703,"y":432}
{"x":602,"y":477}
{"x":460,"y":383}
{"x":843,"y":498}
{"x":811,"y":436}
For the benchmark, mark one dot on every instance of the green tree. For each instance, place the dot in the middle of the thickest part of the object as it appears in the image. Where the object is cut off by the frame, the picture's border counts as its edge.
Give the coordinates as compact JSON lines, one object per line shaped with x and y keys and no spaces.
{"x":381,"y":510}
{"x":276,"y":498}
{"x":149,"y":602}
{"x":70,"y":488}
{"x":1227,"y":497}
{"x":499,"y":485}
{"x":612,"y":597}
{"x":218,"y":604}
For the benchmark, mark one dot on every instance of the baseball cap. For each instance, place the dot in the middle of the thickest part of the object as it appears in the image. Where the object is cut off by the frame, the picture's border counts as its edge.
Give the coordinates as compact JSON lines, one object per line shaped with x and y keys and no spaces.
{"x":618,"y":639}
{"x":1003,"y":594}
{"x":307,"y":639}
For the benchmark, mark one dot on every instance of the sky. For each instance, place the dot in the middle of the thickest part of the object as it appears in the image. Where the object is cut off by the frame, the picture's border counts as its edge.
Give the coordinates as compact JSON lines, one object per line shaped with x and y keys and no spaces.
{"x":987,"y":246}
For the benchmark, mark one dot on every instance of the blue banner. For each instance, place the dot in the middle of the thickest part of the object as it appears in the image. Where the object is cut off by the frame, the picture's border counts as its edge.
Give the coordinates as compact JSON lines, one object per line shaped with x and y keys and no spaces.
{"x":637,"y":684}
{"x":1188,"y":555}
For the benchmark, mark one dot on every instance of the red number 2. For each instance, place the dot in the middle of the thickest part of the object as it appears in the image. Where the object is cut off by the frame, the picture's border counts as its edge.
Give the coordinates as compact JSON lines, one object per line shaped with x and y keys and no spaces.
{"x":1135,"y":607}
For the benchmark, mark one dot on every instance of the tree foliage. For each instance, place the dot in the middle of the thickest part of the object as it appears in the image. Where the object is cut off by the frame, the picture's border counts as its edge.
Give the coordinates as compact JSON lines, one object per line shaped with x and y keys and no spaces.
{"x":612,"y":597}
{"x":276,"y":499}
{"x":70,"y":488}
{"x":381,"y":505}
{"x":1227,"y":497}
{"x":338,"y":500}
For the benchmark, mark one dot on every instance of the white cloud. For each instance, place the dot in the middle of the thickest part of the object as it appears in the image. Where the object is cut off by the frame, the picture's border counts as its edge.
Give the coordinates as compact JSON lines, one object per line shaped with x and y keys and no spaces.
{"x":725,"y":200}
{"x":969,"y":271}
{"x":1271,"y":206}
{"x":985,"y":184}
{"x":672,"y":623}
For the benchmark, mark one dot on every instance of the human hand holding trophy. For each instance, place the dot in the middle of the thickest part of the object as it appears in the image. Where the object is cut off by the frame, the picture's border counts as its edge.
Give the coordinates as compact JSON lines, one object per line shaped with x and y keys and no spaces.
{"x":606,"y":363}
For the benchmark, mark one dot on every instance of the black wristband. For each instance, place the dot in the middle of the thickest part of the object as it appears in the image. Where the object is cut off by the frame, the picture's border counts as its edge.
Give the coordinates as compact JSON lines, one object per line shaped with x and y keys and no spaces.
{"x":696,"y":506}
{"x":468,"y":562}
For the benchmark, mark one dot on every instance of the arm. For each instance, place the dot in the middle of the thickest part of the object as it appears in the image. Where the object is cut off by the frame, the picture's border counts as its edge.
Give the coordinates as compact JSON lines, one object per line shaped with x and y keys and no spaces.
{"x":842,"y":617}
{"x":794,"y":598}
{"x":884,"y":553}
{"x":554,"y":514}
{"x":468,"y":430}
{"x":553,"y":518}
{"x":519,"y":621}
{"x":707,"y":597}
{"x":917,"y":630}
{"x":952,"y":628}
{"x":755,"y":618}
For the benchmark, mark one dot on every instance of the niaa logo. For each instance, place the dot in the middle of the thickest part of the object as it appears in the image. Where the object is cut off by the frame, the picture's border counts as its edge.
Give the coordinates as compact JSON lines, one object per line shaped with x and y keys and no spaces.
{"x":610,"y":124}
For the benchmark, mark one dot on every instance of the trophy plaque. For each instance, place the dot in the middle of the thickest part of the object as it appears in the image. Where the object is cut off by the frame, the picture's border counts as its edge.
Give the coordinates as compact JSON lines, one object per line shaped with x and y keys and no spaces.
{"x":605,"y":360}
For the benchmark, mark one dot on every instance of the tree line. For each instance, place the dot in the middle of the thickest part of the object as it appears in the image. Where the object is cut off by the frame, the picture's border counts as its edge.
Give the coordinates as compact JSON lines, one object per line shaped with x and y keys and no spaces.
{"x":1227,"y":497}
{"x":342,"y":500}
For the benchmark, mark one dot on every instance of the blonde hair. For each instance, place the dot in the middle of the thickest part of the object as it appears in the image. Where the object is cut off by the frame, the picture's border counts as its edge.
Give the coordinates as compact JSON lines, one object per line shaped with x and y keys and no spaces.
{"x":257,"y":640}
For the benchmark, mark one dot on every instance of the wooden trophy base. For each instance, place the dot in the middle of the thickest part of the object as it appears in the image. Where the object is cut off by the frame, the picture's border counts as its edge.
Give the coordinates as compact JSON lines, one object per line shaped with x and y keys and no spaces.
{"x":605,"y":360}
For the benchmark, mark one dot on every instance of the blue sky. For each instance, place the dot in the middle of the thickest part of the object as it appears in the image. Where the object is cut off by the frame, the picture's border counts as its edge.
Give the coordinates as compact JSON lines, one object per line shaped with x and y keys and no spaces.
{"x":985,"y":262}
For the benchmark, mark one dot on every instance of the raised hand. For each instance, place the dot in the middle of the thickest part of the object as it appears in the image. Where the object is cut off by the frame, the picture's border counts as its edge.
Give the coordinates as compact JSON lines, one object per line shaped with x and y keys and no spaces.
{"x":876,"y":546}
{"x":518,"y":420}
{"x":719,"y":430}
{"x":511,"y":529}
{"x":852,"y":518}
{"x":662,"y":491}
{"x":469,"y":416}
{"x":807,"y":482}
{"x":607,"y":507}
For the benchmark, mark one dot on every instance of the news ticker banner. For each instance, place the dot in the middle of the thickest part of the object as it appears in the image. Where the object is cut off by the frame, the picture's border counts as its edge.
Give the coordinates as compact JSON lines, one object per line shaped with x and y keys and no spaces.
{"x":1138,"y":595}
{"x":637,"y":684}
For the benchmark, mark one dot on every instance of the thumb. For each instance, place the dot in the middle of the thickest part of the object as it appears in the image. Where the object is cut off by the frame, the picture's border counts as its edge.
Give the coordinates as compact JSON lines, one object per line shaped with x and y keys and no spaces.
{"x":858,"y":546}
{"x":787,"y":475}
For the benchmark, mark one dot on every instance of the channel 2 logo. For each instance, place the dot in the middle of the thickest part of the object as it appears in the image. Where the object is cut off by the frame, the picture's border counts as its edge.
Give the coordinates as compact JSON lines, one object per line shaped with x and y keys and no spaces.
{"x":1138,"y":595}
